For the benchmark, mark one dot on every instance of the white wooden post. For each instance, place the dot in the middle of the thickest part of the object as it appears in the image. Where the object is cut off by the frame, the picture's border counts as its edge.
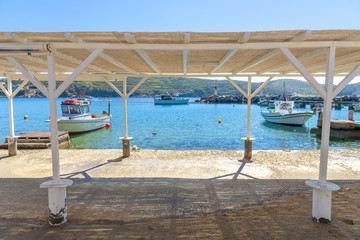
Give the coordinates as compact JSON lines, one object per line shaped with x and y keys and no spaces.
{"x":248,"y":140}
{"x":125,"y":109}
{"x":12,"y":139}
{"x":321,"y":208}
{"x":56,"y":186}
{"x":248,"y":108}
{"x":11,"y":112}
{"x":126,"y":139}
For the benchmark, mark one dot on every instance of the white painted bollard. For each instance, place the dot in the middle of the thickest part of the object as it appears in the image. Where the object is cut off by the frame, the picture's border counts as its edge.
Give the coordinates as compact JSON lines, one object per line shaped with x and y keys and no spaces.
{"x":57,"y":201}
{"x":126,"y":146}
{"x":321,"y":207}
{"x":248,"y":148}
{"x":12,"y":145}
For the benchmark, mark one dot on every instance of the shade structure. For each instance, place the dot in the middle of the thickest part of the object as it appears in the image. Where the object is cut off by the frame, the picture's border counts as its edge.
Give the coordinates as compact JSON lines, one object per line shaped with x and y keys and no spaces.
{"x":181,"y":53}
{"x":109,"y":56}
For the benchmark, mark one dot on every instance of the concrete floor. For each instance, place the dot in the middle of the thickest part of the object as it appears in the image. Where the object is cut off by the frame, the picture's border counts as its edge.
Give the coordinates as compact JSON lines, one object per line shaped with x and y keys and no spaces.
{"x":234,"y":200}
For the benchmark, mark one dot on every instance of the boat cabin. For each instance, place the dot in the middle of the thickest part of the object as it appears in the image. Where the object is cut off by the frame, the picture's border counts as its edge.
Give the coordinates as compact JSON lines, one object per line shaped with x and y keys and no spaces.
{"x":75,"y":107}
{"x":284,"y":107}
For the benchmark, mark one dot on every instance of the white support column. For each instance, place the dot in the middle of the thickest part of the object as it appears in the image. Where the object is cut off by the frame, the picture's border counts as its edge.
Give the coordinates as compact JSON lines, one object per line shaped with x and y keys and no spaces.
{"x":321,"y":210}
{"x":11,"y":112}
{"x":56,"y":186}
{"x":125,"y":109}
{"x":126,"y":139}
{"x":248,"y":140}
{"x":12,"y":139}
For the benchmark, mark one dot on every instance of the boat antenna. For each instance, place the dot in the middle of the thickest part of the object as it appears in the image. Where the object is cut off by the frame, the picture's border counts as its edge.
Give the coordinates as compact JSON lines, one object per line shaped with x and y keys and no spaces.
{"x":109,"y":105}
{"x":215,"y":88}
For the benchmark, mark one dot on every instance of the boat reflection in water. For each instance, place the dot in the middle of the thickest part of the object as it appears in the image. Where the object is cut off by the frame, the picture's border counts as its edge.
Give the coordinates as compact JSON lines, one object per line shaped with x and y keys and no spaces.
{"x":76,"y":117}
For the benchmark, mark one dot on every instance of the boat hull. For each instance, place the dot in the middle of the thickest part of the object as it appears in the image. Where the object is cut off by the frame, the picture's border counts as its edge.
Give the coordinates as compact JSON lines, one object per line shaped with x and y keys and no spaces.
{"x":171,"y":102}
{"x":297,"y":119}
{"x":82,"y":125}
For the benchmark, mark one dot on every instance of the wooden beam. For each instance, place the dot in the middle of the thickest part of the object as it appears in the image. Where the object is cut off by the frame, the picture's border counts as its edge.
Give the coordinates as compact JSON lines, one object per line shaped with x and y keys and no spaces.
{"x":37,"y":69}
{"x":346,"y":81}
{"x":44,"y":62}
{"x":136,"y":87}
{"x":29,"y":76}
{"x":187,"y":37}
{"x":17,"y":38}
{"x":338,"y":59}
{"x":237,"y":87}
{"x":307,"y":56}
{"x":258,"y":60}
{"x":78,"y":70}
{"x":200,"y":46}
{"x":227,"y":56}
{"x":7,"y":94}
{"x":245,"y":38}
{"x":339,"y":68}
{"x":147,"y":59}
{"x":115,"y":89}
{"x":25,"y":81}
{"x":311,"y":80}
{"x":73,"y":38}
{"x":261,"y":87}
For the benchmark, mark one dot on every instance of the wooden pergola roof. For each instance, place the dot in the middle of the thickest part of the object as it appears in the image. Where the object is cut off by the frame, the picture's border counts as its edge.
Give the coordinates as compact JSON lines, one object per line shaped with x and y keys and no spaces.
{"x":181,"y":53}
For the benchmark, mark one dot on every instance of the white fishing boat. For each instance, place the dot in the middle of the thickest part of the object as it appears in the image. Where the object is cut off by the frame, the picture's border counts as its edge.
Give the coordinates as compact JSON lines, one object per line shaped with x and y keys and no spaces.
{"x":284,"y":113}
{"x":76,"y":117}
{"x":167,"y":100}
{"x":263,"y":102}
{"x":357,"y":107}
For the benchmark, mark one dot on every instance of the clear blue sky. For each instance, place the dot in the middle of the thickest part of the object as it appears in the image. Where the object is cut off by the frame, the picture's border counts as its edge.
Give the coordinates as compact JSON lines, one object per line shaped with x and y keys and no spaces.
{"x":173,"y":15}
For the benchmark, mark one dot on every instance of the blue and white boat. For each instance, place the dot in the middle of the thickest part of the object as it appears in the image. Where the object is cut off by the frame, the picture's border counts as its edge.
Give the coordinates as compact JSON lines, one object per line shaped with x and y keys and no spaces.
{"x":167,"y":100}
{"x":284,"y":113}
{"x":77,"y":118}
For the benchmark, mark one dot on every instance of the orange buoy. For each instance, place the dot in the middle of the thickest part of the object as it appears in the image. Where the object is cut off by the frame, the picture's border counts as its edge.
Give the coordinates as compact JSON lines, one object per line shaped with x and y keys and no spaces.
{"x":154,"y":133}
{"x":107,"y":125}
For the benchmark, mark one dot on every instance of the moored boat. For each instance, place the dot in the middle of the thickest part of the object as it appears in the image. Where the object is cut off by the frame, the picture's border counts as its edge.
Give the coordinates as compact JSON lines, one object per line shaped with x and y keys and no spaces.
{"x":284,"y":113}
{"x":77,"y":118}
{"x":167,"y":100}
{"x":356,"y":107}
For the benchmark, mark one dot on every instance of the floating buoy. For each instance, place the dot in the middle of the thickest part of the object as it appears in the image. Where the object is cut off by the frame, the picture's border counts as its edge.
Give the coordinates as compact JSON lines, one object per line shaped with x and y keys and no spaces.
{"x":154,"y":133}
{"x":135,"y":148}
{"x":26,"y":117}
{"x":233,"y":105}
{"x":219,"y":121}
{"x":107,"y":125}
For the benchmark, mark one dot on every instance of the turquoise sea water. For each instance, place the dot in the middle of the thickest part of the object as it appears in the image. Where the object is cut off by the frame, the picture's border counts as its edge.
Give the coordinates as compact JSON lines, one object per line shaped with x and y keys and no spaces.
{"x":178,"y":127}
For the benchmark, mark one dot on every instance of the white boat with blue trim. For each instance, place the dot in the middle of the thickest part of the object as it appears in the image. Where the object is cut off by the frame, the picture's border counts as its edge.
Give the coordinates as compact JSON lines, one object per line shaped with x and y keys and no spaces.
{"x":284,"y":113}
{"x":76,"y":117}
{"x":167,"y":100}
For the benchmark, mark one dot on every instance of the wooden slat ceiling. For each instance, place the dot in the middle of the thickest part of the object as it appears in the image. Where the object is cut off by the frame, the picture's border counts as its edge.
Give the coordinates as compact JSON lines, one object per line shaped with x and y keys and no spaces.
{"x":129,"y":61}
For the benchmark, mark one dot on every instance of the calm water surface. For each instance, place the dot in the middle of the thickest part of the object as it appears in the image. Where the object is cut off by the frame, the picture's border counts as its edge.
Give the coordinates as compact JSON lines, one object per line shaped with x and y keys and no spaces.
{"x":178,"y":127}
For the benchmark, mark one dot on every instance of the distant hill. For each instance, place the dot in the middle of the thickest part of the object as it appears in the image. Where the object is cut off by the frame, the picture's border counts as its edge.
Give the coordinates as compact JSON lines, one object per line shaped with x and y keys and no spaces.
{"x":191,"y":87}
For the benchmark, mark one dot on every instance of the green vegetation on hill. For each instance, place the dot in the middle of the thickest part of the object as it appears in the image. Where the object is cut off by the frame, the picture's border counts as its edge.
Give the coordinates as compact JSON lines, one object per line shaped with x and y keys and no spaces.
{"x":191,"y":87}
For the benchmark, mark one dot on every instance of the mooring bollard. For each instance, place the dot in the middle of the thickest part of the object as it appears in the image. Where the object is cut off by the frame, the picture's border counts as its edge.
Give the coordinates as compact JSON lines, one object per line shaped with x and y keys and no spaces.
{"x":12,"y":145}
{"x":57,"y":201}
{"x":248,"y":148}
{"x":321,"y":207}
{"x":126,"y":146}
{"x":351,"y":115}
